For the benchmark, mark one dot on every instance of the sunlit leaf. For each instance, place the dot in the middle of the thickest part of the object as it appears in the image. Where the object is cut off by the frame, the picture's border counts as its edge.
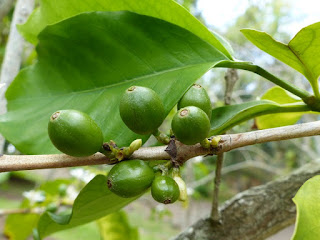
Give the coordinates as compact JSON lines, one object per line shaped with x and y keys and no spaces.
{"x":19,"y":226}
{"x":308,"y":211}
{"x":116,"y":226}
{"x":281,"y":96}
{"x":302,"y":53}
{"x":53,"y":11}
{"x":226,"y":117}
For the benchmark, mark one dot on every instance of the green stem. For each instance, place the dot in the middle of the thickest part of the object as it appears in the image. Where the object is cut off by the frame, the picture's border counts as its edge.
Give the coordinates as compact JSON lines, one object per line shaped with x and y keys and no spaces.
{"x":290,"y":107}
{"x":161,"y":137}
{"x":262,"y":72}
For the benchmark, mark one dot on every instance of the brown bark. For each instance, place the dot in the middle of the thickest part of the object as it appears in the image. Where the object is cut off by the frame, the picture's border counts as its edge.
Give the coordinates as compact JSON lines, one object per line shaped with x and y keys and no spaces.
{"x":182,"y":152}
{"x":256,"y":213}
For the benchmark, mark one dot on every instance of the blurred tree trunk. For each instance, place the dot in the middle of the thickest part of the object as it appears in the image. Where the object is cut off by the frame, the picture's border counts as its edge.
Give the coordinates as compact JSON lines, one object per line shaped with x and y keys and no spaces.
{"x":257,"y":213}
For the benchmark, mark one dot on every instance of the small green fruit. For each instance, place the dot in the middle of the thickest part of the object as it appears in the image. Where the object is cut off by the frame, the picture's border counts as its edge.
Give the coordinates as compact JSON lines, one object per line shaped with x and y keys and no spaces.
{"x":141,"y":110}
{"x":130,"y":178}
{"x":196,"y":96}
{"x":190,"y":125}
{"x":75,"y":133}
{"x":165,"y":190}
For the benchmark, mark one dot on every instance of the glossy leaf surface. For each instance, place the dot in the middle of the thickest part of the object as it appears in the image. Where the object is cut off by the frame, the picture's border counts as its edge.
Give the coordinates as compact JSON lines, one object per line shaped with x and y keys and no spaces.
{"x":281,"y":96}
{"x":308,"y":210}
{"x":302,"y":53}
{"x":53,"y":11}
{"x":93,"y":202}
{"x":226,"y":117}
{"x":86,"y":63}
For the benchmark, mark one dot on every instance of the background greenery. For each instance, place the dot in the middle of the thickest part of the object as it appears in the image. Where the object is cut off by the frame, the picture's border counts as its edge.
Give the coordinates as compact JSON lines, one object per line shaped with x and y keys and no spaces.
{"x":162,"y":222}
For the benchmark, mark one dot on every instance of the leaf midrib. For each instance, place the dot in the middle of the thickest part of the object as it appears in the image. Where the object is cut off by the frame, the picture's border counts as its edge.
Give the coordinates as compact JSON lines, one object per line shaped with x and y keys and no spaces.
{"x":123,"y":82}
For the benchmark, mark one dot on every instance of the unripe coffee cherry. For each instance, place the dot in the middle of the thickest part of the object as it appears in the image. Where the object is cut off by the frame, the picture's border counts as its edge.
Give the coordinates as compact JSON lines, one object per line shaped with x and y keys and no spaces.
{"x":165,"y":190}
{"x":190,"y":125}
{"x":75,"y":133}
{"x":141,"y":110}
{"x":130,"y":178}
{"x":196,"y":96}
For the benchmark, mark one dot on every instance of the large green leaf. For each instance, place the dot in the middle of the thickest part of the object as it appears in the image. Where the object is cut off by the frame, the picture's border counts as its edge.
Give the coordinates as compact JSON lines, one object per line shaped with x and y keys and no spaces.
{"x":93,"y":202}
{"x":281,"y":96}
{"x":308,"y":211}
{"x":86,"y":63}
{"x":226,"y":117}
{"x":53,"y":11}
{"x":302,"y":53}
{"x":116,"y":226}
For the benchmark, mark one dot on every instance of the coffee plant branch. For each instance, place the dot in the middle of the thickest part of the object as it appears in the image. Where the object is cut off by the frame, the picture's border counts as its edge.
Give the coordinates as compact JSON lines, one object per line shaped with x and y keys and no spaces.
{"x":184,"y":152}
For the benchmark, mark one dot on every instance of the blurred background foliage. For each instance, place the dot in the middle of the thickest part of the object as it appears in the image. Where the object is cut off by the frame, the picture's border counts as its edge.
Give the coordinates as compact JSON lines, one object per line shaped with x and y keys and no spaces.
{"x":243,"y":168}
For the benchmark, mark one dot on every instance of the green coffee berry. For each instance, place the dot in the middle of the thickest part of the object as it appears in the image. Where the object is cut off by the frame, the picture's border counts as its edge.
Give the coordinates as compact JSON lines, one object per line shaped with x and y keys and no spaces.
{"x":141,"y":110}
{"x":165,"y":190}
{"x":130,"y":178}
{"x":190,"y":125}
{"x":75,"y":133}
{"x":196,"y":96}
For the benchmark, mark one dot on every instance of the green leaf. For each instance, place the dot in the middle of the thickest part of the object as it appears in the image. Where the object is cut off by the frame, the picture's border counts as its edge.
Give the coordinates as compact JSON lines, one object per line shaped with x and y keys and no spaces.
{"x":308,"y":211}
{"x":281,"y":96}
{"x":19,"y":226}
{"x":4,"y":176}
{"x":53,"y":11}
{"x":93,"y":202}
{"x":226,"y":117}
{"x":302,"y":53}
{"x":86,"y":63}
{"x":116,"y":226}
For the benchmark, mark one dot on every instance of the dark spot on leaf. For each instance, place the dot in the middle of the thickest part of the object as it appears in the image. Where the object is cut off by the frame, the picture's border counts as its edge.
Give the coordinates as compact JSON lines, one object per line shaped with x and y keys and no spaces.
{"x":167,"y":201}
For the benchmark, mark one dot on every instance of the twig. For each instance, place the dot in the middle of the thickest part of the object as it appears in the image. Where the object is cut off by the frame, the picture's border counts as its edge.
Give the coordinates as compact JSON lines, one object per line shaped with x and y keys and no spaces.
{"x":4,"y":212}
{"x":215,"y":214}
{"x":13,"y":54}
{"x":228,"y":142}
{"x":231,"y":78}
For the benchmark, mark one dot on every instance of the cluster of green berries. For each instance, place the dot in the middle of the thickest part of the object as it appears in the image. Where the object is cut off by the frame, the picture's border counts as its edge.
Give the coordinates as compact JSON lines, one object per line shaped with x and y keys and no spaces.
{"x":141,"y":109}
{"x":75,"y":133}
{"x":132,"y":178}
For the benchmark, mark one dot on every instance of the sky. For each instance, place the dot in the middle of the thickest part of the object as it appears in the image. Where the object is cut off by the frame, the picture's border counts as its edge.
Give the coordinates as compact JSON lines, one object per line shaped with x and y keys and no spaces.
{"x":219,"y":14}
